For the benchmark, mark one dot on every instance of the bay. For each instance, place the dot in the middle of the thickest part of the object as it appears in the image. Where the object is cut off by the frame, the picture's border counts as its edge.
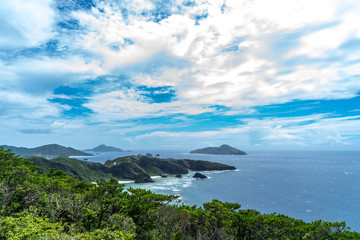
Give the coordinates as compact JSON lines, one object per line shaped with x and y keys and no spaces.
{"x":306,"y":185}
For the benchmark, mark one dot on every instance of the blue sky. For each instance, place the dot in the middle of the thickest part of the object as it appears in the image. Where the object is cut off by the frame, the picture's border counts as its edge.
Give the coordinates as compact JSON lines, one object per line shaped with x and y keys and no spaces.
{"x":150,"y":74}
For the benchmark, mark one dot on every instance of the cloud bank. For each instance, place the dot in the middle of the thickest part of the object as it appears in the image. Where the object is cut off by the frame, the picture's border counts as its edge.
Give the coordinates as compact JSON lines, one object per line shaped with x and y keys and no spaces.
{"x":103,"y":64}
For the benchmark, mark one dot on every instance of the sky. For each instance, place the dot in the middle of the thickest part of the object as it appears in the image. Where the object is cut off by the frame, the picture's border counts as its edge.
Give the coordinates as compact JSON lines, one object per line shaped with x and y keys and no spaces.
{"x":181,"y":74}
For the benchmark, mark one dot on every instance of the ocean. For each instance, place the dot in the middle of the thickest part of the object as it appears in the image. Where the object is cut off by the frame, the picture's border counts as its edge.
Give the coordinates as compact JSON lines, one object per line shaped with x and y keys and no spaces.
{"x":308,"y":185}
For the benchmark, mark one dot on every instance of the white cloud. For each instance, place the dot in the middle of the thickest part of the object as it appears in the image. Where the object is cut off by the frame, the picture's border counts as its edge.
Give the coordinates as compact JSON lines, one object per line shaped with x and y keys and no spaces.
{"x":62,"y":125}
{"x":23,"y":105}
{"x":250,"y":77}
{"x":165,"y":77}
{"x":72,"y":65}
{"x":318,"y":43}
{"x":42,"y":75}
{"x":25,"y":23}
{"x":283,"y":14}
{"x":28,"y":83}
{"x":310,"y":132}
{"x":110,"y":28}
{"x":130,"y":104}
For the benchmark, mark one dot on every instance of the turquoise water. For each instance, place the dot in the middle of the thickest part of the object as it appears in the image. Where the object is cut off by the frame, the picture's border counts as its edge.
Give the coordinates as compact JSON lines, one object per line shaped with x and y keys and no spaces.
{"x":305,"y":185}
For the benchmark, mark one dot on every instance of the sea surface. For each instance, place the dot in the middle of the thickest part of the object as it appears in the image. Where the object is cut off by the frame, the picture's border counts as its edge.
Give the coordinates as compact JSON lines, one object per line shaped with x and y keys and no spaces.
{"x":305,"y":185}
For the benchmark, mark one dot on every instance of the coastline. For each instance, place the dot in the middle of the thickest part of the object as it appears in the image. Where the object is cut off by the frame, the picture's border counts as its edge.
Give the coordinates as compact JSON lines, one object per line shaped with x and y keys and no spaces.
{"x":132,"y":181}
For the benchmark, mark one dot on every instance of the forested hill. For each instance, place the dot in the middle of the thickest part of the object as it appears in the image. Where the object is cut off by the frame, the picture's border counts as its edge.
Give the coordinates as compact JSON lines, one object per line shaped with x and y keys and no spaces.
{"x":138,"y":168}
{"x":56,"y":206}
{"x":222,"y":150}
{"x":47,"y":151}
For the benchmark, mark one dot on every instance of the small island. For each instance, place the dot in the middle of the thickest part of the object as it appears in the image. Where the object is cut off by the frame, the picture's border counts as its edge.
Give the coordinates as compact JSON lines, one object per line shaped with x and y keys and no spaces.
{"x":222,"y":150}
{"x":104,"y":148}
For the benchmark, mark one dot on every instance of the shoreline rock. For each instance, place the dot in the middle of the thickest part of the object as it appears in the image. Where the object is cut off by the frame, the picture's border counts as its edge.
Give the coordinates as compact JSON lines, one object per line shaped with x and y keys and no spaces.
{"x":199,"y":175}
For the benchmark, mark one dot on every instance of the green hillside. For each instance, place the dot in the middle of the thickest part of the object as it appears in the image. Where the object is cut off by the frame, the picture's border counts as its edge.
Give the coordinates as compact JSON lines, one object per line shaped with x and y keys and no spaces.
{"x":86,"y":171}
{"x":46,"y":151}
{"x":138,"y":168}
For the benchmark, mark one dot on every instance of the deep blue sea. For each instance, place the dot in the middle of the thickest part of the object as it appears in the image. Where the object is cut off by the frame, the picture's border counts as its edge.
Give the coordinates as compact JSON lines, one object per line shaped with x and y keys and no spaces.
{"x":305,"y":185}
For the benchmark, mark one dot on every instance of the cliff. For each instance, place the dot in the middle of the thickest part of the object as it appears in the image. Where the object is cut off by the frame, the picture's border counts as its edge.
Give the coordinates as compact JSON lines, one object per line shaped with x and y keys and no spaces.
{"x":138,"y":168}
{"x":159,"y":166}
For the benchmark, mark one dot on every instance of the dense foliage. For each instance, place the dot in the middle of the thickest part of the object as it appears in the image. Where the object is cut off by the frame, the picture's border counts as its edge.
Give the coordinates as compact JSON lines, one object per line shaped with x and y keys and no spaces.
{"x":58,"y":206}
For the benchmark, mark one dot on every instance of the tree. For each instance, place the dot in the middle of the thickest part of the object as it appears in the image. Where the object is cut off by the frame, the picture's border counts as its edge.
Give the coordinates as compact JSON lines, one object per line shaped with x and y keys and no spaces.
{"x":17,"y":188}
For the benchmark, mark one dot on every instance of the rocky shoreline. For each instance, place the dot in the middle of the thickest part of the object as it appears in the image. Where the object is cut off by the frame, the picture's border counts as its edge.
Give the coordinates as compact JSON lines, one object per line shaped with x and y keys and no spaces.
{"x":138,"y":168}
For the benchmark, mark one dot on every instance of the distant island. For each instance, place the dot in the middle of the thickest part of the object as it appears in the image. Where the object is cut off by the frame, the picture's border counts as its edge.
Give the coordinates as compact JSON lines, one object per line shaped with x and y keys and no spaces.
{"x":104,"y":148}
{"x":139,"y":168}
{"x":46,"y":151}
{"x":222,"y":150}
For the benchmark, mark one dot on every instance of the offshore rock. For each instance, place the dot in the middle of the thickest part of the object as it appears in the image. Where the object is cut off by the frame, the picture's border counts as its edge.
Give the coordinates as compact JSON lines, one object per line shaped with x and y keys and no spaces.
{"x":142,"y":178}
{"x":199,"y":175}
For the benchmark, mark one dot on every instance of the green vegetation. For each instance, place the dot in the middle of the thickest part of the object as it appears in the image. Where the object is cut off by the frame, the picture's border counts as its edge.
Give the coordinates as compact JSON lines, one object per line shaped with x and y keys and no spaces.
{"x":158,"y":166}
{"x":47,"y":151}
{"x":55,"y":205}
{"x":138,"y":168}
{"x":222,"y":150}
{"x":87,"y":171}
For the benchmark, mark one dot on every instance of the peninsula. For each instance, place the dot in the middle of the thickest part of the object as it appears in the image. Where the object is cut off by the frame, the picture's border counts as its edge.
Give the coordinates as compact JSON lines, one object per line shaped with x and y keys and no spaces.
{"x":138,"y":168}
{"x":222,"y":150}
